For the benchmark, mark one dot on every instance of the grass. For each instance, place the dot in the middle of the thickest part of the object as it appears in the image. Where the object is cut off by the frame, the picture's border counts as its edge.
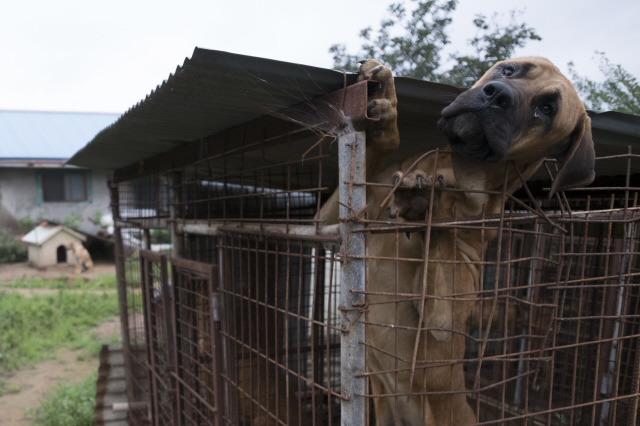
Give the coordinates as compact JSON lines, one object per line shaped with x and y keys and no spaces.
{"x":32,"y":328}
{"x":11,"y":250}
{"x":68,"y":405}
{"x":102,"y":282}
{"x":7,"y":389}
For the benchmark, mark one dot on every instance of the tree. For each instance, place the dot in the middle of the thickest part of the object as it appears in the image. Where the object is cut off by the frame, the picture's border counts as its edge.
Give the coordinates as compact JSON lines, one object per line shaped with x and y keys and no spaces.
{"x":492,"y":44}
{"x":620,"y":91}
{"x":411,"y":43}
{"x":413,"y":54}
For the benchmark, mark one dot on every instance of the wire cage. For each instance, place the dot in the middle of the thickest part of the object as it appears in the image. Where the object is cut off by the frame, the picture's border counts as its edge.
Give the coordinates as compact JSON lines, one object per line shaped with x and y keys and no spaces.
{"x":258,"y":313}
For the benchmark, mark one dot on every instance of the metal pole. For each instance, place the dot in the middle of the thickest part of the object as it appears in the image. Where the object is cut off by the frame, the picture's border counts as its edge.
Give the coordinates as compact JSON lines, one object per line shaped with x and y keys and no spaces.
{"x":119,"y":255}
{"x":351,"y":152}
{"x":177,"y":238}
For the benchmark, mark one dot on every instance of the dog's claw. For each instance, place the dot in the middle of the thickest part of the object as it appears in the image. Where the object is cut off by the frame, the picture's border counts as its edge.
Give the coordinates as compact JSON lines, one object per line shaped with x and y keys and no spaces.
{"x":419,"y":178}
{"x":396,"y":179}
{"x":408,"y":235}
{"x":440,"y":179}
{"x":388,"y":212}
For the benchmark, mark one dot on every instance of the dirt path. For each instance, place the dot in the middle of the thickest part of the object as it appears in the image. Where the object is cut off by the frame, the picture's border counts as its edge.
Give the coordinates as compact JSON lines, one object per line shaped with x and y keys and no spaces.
{"x":34,"y":381}
{"x":68,"y":366}
{"x":15,"y":271}
{"x":18,"y":270}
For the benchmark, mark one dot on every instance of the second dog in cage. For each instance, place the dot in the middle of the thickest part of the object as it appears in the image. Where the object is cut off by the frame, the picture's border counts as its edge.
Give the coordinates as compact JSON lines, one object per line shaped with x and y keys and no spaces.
{"x":500,"y":131}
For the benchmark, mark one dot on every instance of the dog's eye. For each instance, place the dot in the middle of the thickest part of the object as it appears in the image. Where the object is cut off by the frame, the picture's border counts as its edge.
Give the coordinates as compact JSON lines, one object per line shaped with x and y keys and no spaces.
{"x":507,"y":71}
{"x":546,"y":109}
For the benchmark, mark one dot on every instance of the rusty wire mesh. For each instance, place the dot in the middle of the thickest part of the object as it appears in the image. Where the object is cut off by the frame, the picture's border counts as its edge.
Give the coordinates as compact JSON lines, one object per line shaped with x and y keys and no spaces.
{"x":196,"y":341}
{"x":132,"y":312}
{"x":552,"y":330}
{"x":282,"y":329}
{"x":552,"y":338}
{"x":158,"y":331}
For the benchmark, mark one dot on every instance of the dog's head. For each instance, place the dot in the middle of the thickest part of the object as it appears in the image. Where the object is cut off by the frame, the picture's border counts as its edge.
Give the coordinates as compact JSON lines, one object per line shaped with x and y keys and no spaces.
{"x":524,"y":110}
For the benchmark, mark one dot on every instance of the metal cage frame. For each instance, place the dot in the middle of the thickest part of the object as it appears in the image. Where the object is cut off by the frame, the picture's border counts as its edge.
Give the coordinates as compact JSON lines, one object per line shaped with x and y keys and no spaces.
{"x":257,"y":313}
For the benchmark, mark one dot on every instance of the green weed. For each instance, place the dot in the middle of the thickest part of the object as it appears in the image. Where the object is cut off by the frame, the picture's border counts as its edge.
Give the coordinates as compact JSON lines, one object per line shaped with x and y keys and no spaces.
{"x":11,"y":250}
{"x":68,"y":405}
{"x":32,"y":328}
{"x":6,"y":389}
{"x":73,"y":221}
{"x":26,"y":224}
{"x":102,"y":282}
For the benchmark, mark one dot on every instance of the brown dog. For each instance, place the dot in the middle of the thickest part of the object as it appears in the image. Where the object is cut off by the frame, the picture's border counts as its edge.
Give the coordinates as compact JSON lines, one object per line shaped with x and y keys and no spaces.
{"x":520,"y":112}
{"x":83,"y":259}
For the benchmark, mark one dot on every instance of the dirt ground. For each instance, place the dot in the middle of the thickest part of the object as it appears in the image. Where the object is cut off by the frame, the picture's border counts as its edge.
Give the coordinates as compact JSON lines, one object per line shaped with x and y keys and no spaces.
{"x":34,"y":381}
{"x":18,"y":270}
{"x":68,"y":366}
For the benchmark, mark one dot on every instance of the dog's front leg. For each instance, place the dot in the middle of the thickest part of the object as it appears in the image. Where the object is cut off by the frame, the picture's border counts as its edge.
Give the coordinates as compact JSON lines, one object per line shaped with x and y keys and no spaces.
{"x":382,"y":135}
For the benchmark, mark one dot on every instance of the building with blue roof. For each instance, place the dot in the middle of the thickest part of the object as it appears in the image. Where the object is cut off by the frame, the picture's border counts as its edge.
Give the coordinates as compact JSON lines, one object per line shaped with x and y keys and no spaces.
{"x":35,"y":181}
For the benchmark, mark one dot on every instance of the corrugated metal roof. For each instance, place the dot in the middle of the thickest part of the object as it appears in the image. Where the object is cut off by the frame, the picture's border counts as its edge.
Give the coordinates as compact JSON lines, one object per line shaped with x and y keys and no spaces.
{"x":214,"y":91}
{"x":35,"y":134}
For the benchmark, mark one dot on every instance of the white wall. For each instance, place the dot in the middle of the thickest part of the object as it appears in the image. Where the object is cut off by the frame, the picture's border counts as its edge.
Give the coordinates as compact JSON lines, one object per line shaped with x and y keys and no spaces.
{"x":18,"y":199}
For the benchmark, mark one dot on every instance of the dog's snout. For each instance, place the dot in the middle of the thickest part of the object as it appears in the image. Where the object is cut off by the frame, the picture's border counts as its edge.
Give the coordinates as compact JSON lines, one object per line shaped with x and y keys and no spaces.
{"x":499,"y":94}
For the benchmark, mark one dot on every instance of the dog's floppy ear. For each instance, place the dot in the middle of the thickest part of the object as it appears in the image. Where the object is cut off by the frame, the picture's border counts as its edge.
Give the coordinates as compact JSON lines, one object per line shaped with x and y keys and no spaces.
{"x":578,"y":161}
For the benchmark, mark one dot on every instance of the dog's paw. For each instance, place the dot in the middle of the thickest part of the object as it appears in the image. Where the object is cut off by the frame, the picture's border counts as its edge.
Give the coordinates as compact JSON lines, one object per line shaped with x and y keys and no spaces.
{"x":382,"y":102}
{"x":370,"y":69}
{"x":382,"y":105}
{"x":412,"y":198}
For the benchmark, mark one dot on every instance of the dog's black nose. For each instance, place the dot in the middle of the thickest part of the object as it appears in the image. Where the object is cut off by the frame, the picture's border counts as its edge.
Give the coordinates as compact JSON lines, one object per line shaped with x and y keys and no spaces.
{"x":498,"y":94}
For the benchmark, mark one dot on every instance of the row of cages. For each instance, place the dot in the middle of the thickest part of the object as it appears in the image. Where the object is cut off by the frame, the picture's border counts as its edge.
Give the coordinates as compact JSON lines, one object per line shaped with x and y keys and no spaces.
{"x":246,"y":325}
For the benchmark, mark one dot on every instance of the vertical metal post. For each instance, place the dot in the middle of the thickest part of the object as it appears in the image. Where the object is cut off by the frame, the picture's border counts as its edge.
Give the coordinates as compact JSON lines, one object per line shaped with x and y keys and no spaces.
{"x":122,"y":287}
{"x":146,"y":239}
{"x":224,"y":326}
{"x":175,"y":189}
{"x":146,"y":280}
{"x":351,"y":152}
{"x":169,"y":321}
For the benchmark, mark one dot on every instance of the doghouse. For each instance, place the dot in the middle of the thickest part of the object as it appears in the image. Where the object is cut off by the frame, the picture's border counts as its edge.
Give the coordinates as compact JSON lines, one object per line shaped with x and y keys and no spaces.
{"x":48,"y":245}
{"x":261,"y":313}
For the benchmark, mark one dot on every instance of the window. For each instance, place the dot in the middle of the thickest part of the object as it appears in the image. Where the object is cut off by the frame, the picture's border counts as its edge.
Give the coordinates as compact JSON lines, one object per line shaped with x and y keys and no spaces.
{"x":64,"y":186}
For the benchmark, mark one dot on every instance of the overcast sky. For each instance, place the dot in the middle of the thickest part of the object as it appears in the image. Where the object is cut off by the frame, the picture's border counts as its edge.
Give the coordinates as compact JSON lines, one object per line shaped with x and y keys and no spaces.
{"x":101,"y":56}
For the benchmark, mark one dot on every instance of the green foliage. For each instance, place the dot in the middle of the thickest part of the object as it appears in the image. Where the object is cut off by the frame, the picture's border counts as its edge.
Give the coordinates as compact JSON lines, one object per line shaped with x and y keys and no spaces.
{"x":493,"y":43}
{"x":11,"y":250}
{"x":97,"y":217}
{"x":416,"y":53}
{"x":68,"y":405}
{"x":73,"y":221}
{"x":7,"y":390}
{"x":160,"y":236}
{"x":31,"y":328}
{"x":411,"y":43}
{"x":102,"y":282}
{"x":620,"y":91}
{"x":26,"y":224}
{"x":93,"y":347}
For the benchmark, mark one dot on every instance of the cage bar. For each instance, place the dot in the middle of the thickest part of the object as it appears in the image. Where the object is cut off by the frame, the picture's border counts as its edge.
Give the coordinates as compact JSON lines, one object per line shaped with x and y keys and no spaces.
{"x":352,"y":154}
